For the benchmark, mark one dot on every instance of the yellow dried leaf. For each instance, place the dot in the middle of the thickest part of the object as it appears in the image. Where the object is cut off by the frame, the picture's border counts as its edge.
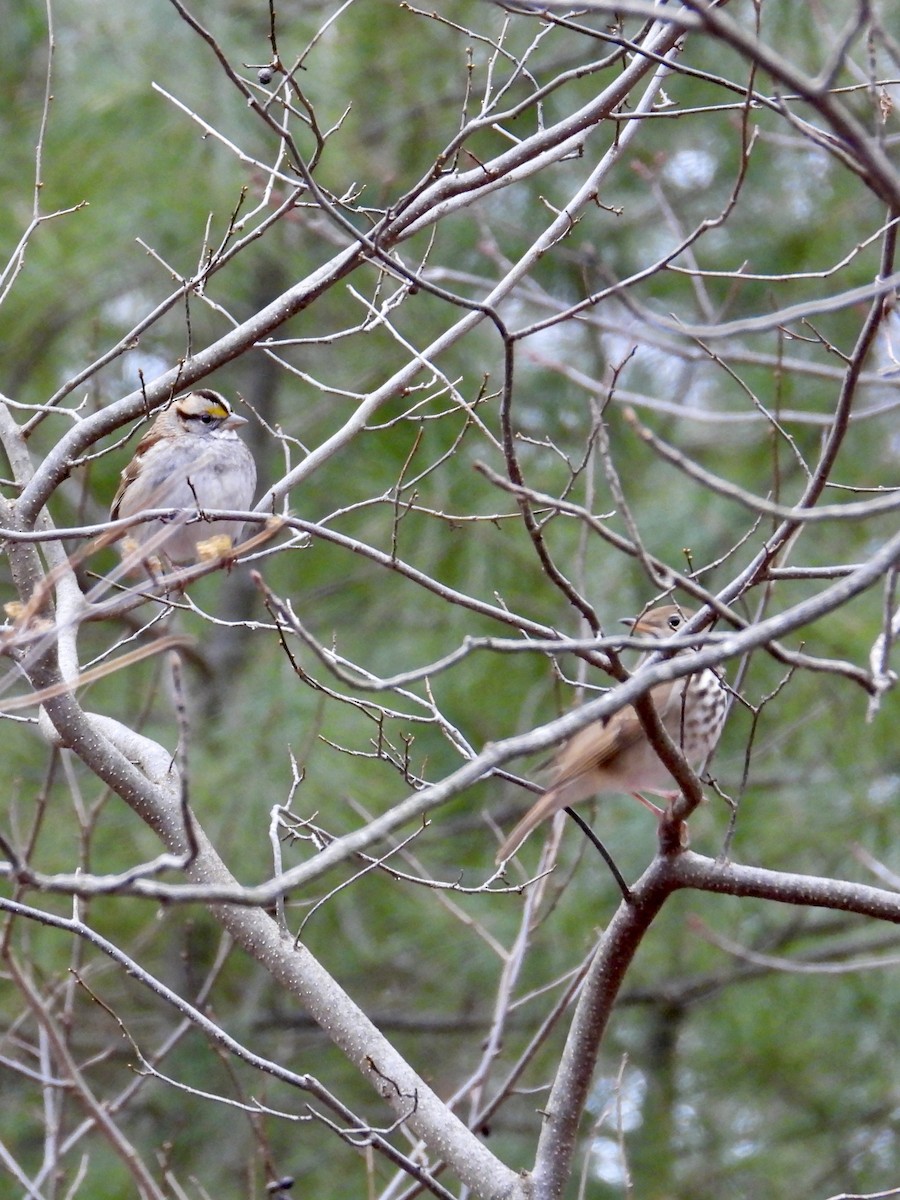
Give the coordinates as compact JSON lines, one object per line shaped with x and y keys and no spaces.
{"x":214,"y":547}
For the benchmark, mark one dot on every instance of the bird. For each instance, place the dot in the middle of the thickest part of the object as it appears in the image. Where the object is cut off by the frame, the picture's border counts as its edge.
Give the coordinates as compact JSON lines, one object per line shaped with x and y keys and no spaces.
{"x":615,"y":755}
{"x":190,"y":458}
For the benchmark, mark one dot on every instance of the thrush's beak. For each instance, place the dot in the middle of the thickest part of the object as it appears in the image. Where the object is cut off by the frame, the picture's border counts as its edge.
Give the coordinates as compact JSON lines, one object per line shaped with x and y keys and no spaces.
{"x":637,"y":625}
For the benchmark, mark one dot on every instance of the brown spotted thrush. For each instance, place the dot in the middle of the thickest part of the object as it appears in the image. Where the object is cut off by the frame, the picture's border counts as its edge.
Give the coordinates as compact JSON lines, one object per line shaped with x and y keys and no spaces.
{"x":615,"y":755}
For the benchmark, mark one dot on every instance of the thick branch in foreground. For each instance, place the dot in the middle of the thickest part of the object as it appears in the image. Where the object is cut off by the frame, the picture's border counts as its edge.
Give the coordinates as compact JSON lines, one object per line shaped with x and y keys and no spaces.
{"x":289,"y":962}
{"x":667,"y":874}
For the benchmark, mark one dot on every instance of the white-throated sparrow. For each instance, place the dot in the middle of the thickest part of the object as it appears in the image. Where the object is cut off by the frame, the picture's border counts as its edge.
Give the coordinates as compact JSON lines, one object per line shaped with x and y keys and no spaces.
{"x":191,"y":458}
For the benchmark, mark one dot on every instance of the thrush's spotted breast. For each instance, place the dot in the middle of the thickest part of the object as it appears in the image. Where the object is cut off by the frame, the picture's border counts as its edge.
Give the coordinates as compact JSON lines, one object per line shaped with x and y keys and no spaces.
{"x":615,"y":755}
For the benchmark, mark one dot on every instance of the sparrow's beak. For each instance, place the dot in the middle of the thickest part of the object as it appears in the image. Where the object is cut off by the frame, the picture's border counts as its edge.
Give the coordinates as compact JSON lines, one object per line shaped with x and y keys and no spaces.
{"x":234,"y":422}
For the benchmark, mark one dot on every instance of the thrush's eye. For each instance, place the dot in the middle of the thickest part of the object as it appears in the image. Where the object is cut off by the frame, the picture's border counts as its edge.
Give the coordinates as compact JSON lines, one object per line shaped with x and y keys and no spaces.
{"x":674,"y":621}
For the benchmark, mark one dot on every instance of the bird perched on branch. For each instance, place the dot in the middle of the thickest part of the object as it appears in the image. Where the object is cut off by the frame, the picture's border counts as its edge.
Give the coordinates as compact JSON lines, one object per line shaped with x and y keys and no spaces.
{"x":191,"y":458}
{"x":615,"y":755}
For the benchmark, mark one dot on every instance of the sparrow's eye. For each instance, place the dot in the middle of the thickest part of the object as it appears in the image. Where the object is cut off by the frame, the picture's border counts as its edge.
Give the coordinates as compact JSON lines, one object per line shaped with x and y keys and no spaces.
{"x":207,"y":418}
